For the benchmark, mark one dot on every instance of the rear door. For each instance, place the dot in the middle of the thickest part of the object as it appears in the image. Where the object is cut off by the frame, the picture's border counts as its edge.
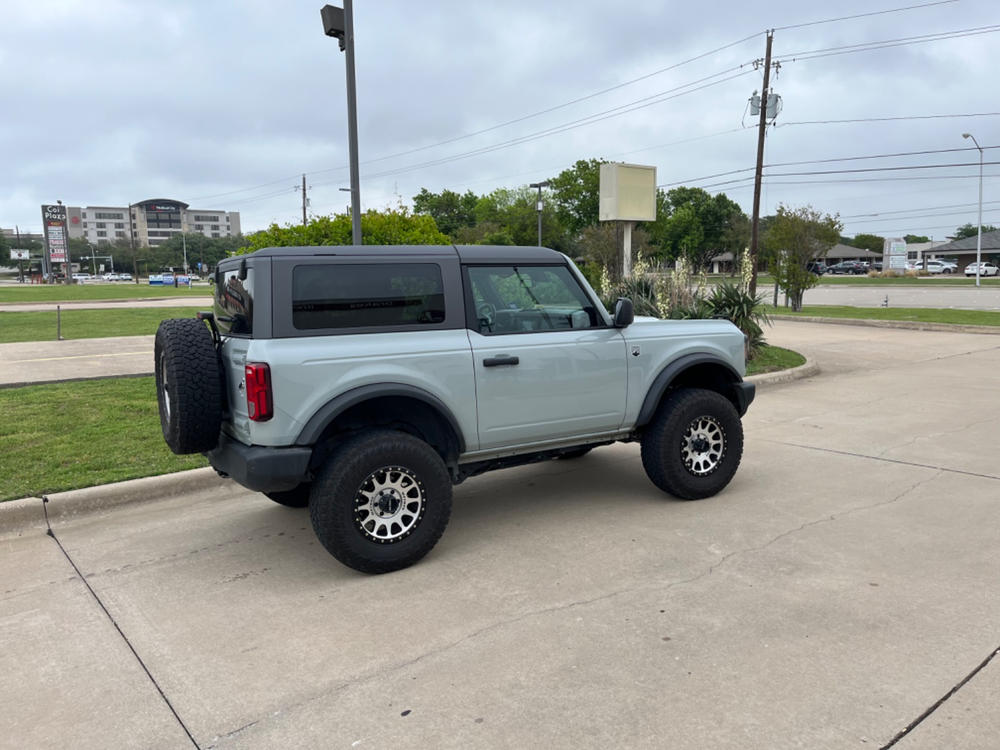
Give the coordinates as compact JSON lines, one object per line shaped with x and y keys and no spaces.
{"x":547,"y":365}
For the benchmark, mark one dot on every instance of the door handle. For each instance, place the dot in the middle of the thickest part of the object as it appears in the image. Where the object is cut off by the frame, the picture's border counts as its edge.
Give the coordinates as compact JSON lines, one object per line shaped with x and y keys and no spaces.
{"x":500,"y":361}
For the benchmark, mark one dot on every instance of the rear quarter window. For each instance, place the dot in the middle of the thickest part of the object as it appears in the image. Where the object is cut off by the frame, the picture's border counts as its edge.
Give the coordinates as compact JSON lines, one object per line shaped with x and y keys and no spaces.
{"x":367,"y":295}
{"x":234,"y":302}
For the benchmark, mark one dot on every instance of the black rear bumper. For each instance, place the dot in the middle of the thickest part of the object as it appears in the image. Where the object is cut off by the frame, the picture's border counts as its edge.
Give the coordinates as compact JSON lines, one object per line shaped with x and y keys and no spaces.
{"x":259,"y":467}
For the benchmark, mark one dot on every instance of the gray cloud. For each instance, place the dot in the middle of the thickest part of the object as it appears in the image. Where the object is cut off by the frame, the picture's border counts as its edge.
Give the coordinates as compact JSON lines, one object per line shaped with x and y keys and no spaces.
{"x":114,"y":101}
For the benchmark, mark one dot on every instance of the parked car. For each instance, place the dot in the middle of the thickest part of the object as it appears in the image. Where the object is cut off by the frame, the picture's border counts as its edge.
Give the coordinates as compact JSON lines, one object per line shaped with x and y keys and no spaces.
{"x":125,"y":277}
{"x":985,"y":269}
{"x":852,"y":267}
{"x":817,"y":267}
{"x":941,"y":266}
{"x":111,"y":277}
{"x":80,"y":278}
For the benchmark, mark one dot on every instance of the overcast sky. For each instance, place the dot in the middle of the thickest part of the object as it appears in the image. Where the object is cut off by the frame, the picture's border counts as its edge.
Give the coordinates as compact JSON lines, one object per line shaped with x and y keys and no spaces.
{"x":224,"y":104}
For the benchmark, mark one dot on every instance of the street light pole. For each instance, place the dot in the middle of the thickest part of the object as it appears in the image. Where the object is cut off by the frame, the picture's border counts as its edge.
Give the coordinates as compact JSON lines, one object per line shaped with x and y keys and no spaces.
{"x":539,"y":185}
{"x":979,"y":223}
{"x":339,"y":23}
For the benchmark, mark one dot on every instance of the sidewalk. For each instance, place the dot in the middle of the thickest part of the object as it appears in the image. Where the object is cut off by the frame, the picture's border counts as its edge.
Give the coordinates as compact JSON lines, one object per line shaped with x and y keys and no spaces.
{"x":34,"y":362}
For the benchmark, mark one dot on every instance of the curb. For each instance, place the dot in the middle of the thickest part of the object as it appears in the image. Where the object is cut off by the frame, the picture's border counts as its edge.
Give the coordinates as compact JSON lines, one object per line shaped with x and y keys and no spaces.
{"x":909,"y":325}
{"x":27,"y":513}
{"x":808,"y":370}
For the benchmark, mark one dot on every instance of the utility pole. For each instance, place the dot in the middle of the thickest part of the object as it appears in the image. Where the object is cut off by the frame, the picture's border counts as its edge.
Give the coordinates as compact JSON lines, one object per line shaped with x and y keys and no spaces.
{"x":131,"y":242}
{"x":304,"y":201}
{"x":761,"y":128}
{"x":20,"y":270}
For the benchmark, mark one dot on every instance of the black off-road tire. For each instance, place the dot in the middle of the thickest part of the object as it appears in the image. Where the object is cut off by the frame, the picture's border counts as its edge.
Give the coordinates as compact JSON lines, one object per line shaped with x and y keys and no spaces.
{"x":297,"y":497}
{"x":188,"y":385}
{"x":400,"y":471}
{"x":687,"y":420}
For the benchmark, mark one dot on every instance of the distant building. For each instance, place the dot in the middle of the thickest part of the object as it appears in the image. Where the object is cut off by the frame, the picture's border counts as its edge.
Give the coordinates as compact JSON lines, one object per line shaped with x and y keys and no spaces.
{"x":153,"y":222}
{"x":964,"y":250}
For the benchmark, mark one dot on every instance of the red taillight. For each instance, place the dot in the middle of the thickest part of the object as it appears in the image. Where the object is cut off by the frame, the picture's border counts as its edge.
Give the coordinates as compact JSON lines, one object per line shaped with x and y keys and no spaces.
{"x":260,"y":405}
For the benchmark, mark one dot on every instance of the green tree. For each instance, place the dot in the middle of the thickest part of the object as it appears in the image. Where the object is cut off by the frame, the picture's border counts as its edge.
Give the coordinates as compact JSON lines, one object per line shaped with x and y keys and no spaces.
{"x":514,"y":213}
{"x":698,"y":226}
{"x":577,"y":195}
{"x":797,"y":236}
{"x":869,"y":242}
{"x":968,"y":230}
{"x":393,"y":226}
{"x":915,"y":238}
{"x":450,"y":210}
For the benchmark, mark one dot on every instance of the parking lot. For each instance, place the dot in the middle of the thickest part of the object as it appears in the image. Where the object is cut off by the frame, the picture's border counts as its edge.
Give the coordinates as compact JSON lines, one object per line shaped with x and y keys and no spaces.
{"x":842,"y":585}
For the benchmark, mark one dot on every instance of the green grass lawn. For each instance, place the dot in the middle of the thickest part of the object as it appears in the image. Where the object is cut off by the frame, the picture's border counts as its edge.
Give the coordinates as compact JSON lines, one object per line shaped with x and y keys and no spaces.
{"x":87,"y":324}
{"x":774,"y":358}
{"x":12,"y":293}
{"x":71,"y":435}
{"x":919,"y":314}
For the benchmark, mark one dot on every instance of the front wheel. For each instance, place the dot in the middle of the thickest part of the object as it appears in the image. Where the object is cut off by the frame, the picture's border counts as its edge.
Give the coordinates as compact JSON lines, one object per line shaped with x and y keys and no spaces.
{"x":693,"y":446}
{"x":381,"y":502}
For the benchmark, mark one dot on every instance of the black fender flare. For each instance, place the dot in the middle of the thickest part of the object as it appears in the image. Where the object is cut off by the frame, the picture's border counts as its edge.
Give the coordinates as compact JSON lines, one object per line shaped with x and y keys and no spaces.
{"x":669,"y":373}
{"x":338,"y":405}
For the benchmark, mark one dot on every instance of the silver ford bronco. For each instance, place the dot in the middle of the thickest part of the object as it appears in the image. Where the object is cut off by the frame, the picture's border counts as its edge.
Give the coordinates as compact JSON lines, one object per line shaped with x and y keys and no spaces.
{"x":365,"y":381}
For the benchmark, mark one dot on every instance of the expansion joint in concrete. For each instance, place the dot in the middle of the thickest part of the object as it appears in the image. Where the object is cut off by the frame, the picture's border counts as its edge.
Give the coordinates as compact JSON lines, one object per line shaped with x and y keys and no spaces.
{"x":50,"y":532}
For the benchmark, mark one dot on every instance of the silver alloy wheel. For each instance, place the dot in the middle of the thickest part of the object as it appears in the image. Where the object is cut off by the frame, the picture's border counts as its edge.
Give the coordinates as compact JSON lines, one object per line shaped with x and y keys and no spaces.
{"x":389,"y":504}
{"x":164,"y":382}
{"x":703,"y":446}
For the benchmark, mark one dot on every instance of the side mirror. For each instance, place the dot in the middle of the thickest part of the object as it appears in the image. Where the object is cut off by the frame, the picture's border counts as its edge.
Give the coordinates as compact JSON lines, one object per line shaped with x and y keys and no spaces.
{"x":242,"y":273}
{"x":624,"y":312}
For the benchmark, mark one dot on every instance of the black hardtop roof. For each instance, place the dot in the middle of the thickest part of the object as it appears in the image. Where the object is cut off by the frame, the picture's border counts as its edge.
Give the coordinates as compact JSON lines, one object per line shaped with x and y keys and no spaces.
{"x":466,"y":253}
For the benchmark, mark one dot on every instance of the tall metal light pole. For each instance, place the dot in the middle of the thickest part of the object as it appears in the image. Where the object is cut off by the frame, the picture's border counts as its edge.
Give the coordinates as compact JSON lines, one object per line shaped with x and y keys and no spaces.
{"x":979,"y":224}
{"x":339,"y":23}
{"x":539,"y":185}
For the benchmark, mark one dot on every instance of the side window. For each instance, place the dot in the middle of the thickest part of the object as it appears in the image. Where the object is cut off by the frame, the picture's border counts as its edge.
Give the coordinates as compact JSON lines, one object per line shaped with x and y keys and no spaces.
{"x":524,"y":299}
{"x":366,"y":295}
{"x":234,"y":302}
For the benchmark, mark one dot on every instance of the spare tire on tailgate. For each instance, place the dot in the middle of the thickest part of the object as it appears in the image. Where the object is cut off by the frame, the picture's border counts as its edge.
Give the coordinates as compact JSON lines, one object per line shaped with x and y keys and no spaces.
{"x":188,"y":385}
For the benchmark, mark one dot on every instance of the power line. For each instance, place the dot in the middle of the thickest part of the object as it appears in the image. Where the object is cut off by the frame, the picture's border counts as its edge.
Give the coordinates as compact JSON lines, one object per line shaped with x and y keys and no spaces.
{"x":917,"y":37}
{"x":875,"y":156}
{"x":918,"y":217}
{"x":917,"y":210}
{"x":902,"y":42}
{"x":589,"y":120}
{"x":882,"y":179}
{"x":864,"y":15}
{"x":879,"y":169}
{"x":888,"y":119}
{"x":549,"y":109}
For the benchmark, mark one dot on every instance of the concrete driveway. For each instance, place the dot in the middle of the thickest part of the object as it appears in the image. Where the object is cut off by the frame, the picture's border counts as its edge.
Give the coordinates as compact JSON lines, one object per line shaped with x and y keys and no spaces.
{"x":843,"y":584}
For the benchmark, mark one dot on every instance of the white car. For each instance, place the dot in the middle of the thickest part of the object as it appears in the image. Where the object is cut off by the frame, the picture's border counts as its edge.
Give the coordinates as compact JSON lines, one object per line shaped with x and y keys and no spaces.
{"x":80,"y":278}
{"x":985,"y":269}
{"x":124,"y":277}
{"x":111,"y":277}
{"x":940,"y":266}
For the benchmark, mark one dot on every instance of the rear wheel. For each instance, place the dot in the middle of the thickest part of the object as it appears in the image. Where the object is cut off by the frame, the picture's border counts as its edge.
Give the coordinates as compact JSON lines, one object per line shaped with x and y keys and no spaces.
{"x":381,"y":502}
{"x":693,"y":446}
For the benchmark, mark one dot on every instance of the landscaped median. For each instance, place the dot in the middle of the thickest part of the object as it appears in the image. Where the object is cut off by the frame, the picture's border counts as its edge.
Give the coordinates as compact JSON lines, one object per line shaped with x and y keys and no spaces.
{"x":67,"y":436}
{"x":921,"y":315}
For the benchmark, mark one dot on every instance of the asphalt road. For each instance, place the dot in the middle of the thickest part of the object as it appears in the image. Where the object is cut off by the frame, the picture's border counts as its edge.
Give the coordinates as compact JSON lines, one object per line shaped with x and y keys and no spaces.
{"x":842,"y":585}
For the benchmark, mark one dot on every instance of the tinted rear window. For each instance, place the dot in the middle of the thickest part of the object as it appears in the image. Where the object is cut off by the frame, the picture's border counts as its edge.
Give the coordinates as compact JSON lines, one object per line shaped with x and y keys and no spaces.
{"x":365,"y":295}
{"x":234,"y":302}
